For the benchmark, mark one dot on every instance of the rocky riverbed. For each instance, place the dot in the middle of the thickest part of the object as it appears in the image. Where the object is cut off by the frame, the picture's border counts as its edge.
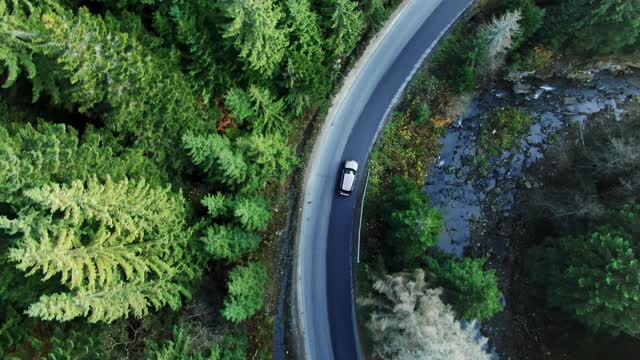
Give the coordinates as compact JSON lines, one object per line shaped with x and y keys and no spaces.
{"x":477,"y":194}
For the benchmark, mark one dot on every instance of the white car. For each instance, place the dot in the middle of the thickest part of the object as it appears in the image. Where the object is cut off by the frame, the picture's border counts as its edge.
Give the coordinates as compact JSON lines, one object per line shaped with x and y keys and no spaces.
{"x":348,"y":177}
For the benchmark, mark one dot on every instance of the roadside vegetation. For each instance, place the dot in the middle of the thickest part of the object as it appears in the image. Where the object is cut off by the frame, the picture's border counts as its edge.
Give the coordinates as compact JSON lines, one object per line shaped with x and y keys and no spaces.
{"x":587,"y":265}
{"x":141,"y":143}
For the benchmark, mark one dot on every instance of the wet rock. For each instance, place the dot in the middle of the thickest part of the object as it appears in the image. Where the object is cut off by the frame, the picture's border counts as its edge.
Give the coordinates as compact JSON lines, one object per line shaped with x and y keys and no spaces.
{"x":581,"y":75}
{"x":521,"y":88}
{"x":569,"y":100}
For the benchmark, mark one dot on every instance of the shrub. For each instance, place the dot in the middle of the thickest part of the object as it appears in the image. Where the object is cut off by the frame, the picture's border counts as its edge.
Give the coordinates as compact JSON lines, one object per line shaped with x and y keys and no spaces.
{"x":504,"y":129}
{"x":471,"y":290}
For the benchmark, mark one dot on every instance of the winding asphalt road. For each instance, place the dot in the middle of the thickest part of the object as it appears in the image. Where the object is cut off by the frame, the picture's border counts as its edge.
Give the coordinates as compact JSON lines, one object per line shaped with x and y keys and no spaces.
{"x":323,"y":306}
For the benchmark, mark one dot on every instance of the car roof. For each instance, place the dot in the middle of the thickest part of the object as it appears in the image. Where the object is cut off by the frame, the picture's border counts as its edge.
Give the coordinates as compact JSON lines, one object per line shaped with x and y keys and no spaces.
{"x":351,"y":164}
{"x":347,"y":180}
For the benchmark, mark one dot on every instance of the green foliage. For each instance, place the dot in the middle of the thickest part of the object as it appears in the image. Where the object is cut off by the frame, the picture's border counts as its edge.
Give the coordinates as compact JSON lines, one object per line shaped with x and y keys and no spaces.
{"x":247,"y":164}
{"x":253,"y":213}
{"x":594,"y":27}
{"x":110,"y":303}
{"x":15,"y":54}
{"x":424,"y":113}
{"x":471,"y":290}
{"x":254,"y":31}
{"x":136,"y":227}
{"x":229,"y":242}
{"x":105,"y":242}
{"x":594,"y":277}
{"x":180,"y":348}
{"x":187,"y":24}
{"x":347,"y":23}
{"x":459,"y":58}
{"x":246,"y":292}
{"x":308,"y":75}
{"x":270,"y":113}
{"x":412,"y":226}
{"x":35,"y":155}
{"x":376,"y":12}
{"x":240,"y":104}
{"x":532,"y":20}
{"x":503,"y":130}
{"x":149,"y":99}
{"x":24,"y":338}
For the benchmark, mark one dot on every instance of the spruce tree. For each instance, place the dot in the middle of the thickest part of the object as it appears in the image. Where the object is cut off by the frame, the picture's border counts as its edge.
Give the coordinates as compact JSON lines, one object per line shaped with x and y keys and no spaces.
{"x":149,"y":98}
{"x":112,"y":244}
{"x":229,"y":242}
{"x":255,"y":32}
{"x":594,"y":277}
{"x":246,"y":292}
{"x":347,"y":24}
{"x":306,"y":63}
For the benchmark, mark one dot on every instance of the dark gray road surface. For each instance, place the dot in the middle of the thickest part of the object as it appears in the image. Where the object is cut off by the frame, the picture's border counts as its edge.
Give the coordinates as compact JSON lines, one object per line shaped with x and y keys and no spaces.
{"x":323,"y":283}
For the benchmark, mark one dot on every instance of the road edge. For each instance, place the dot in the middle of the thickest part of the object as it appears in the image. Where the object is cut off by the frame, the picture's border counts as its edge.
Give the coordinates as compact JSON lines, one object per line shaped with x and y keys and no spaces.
{"x":297,"y":318}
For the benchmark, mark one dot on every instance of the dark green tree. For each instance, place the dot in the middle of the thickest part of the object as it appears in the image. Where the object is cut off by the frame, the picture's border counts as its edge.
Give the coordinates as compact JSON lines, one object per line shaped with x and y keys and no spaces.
{"x":595,"y":277}
{"x":472,"y":290}
{"x":595,"y":26}
{"x":347,"y":24}
{"x":412,"y":226}
{"x":307,"y":72}
{"x":255,"y":32}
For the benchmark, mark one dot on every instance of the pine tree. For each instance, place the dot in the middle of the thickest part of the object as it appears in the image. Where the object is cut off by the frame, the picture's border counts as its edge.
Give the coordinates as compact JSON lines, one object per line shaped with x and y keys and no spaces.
{"x":216,"y":155}
{"x":254,"y":31}
{"x":240,"y":104}
{"x":347,"y":24}
{"x":269,"y":158}
{"x":499,"y":35}
{"x":248,"y":164}
{"x":409,"y":321}
{"x":246,"y":292}
{"x":110,"y":303}
{"x":131,"y":229}
{"x":308,"y":75}
{"x":472,"y":290}
{"x":269,"y":112}
{"x":595,"y":277}
{"x":32,"y":156}
{"x":595,"y":27}
{"x":15,"y":39}
{"x":229,"y":242}
{"x":148,"y":97}
{"x":412,"y":225}
{"x":253,"y":213}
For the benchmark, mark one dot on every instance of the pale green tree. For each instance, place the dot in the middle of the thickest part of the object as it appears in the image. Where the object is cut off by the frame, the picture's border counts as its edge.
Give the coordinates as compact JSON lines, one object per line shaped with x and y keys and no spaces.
{"x":409,"y":321}
{"x":499,"y":34}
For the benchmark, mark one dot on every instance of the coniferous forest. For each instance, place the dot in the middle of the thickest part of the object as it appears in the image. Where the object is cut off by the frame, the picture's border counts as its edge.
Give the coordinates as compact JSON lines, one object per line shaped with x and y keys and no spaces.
{"x":138,"y":141}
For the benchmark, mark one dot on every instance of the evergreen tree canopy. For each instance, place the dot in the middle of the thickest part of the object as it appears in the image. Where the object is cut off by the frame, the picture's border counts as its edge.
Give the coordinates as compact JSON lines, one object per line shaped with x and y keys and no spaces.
{"x":595,"y":26}
{"x":347,"y":24}
{"x":255,"y":32}
{"x":409,"y":321}
{"x":412,"y":226}
{"x":596,"y":277}
{"x":246,"y":292}
{"x":472,"y":291}
{"x":106,"y":241}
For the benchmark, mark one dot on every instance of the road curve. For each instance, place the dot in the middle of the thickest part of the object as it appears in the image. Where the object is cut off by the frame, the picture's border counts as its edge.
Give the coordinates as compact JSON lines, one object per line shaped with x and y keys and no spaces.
{"x":323,"y":297}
